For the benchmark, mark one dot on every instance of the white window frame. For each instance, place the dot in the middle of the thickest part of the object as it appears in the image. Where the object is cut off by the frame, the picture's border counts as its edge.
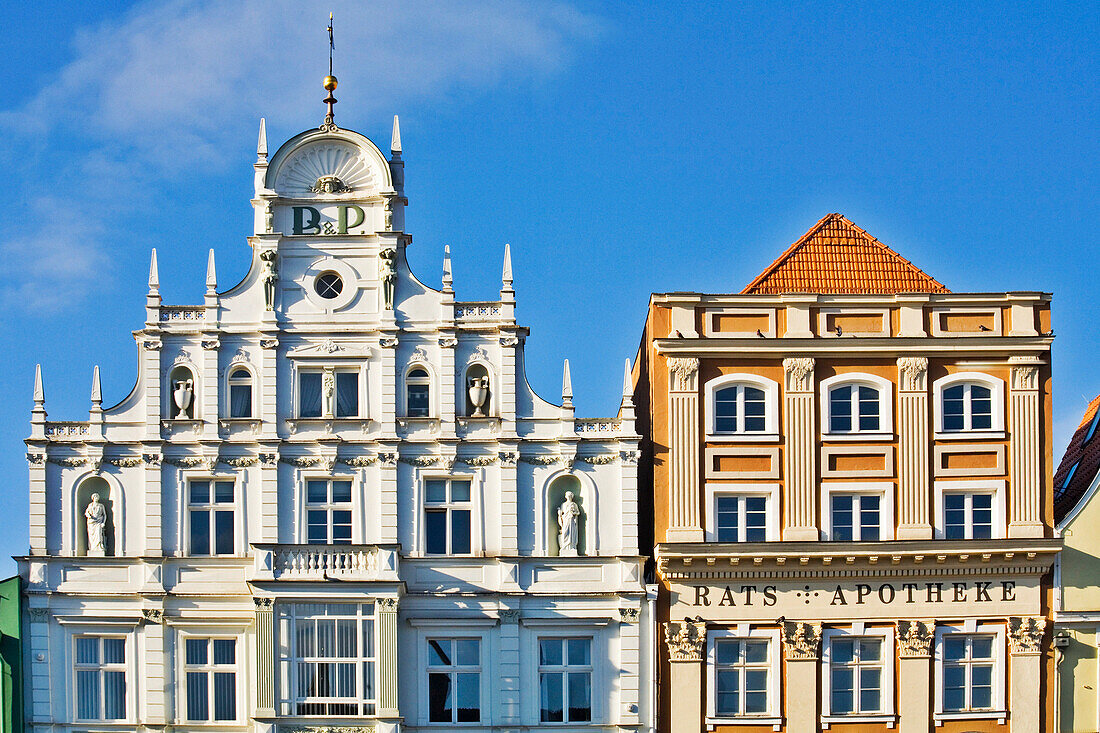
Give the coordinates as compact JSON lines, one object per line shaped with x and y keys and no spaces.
{"x":883,"y":489}
{"x":328,"y":506}
{"x":999,"y":710}
{"x":288,"y":657}
{"x":886,"y":634}
{"x":210,"y":668}
{"x":238,"y":526}
{"x":432,"y":381}
{"x":565,"y":669}
{"x":995,"y":487}
{"x":474,"y":505}
{"x":771,"y":407}
{"x":770,"y":492}
{"x":997,"y":408}
{"x":128,"y":667}
{"x":298,"y":372}
{"x":230,"y":384}
{"x":457,"y":631}
{"x":358,"y":373}
{"x":774,"y":716}
{"x":884,"y":388}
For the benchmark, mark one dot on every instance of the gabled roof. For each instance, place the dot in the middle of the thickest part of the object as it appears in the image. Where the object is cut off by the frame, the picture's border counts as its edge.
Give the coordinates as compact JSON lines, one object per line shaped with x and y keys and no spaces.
{"x":1082,"y":457}
{"x":836,"y":256}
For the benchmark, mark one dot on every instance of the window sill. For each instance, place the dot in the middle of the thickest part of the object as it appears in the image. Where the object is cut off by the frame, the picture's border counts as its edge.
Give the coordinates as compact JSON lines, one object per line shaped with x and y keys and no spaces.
{"x":742,"y":437}
{"x":889,"y":719}
{"x":856,"y":437}
{"x":999,"y":715}
{"x":328,"y":424}
{"x":970,"y":435}
{"x":775,"y":722}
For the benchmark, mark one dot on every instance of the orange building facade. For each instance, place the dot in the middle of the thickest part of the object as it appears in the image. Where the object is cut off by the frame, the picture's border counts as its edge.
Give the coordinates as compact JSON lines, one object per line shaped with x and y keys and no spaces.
{"x":851,"y":498}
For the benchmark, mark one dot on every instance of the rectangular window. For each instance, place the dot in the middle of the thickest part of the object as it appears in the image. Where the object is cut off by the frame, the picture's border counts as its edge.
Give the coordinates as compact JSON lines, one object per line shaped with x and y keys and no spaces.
{"x":855,"y":517}
{"x":967,"y":516}
{"x":742,"y":669}
{"x":855,"y":675}
{"x":210,"y":672}
{"x":328,"y":512}
{"x":211,"y":507}
{"x":347,"y":394}
{"x":454,"y":680}
{"x":969,"y":663}
{"x":309,"y":394}
{"x":565,"y":680}
{"x":740,"y":518}
{"x":330,"y":667}
{"x":100,"y":666}
{"x":448,"y":511}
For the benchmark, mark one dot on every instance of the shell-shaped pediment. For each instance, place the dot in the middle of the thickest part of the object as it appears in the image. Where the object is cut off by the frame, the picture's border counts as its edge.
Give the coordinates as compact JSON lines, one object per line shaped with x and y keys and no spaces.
{"x":340,"y":164}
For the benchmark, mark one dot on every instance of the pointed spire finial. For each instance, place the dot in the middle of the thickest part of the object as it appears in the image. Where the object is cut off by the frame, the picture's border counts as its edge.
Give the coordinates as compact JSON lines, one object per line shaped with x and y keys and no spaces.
{"x":211,"y":274}
{"x":39,"y":393}
{"x":448,"y":277}
{"x":261,"y":144}
{"x":154,"y":278}
{"x":628,"y":381}
{"x":566,"y":387}
{"x":506,"y":277}
{"x":395,"y":139}
{"x":97,"y":392}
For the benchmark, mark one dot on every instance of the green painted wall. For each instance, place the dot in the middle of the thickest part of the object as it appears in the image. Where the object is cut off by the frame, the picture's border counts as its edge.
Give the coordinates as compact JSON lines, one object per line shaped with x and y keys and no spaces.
{"x":11,"y":656}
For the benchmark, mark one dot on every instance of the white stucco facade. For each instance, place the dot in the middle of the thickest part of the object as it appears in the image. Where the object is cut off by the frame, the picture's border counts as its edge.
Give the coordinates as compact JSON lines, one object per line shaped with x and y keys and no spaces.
{"x":331,"y":501}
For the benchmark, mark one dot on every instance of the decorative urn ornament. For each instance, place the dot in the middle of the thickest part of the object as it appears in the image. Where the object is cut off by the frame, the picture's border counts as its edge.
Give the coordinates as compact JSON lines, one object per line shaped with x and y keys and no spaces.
{"x":479,"y":392}
{"x":182,"y":394}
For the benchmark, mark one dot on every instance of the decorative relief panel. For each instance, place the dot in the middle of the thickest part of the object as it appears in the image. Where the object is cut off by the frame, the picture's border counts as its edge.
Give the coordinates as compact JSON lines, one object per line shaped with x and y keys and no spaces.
{"x":300,"y":174}
{"x":1025,"y":634}
{"x":683,"y":373}
{"x":685,"y":640}
{"x":801,"y":640}
{"x":915,"y":638}
{"x":913,"y":373}
{"x":800,"y":373}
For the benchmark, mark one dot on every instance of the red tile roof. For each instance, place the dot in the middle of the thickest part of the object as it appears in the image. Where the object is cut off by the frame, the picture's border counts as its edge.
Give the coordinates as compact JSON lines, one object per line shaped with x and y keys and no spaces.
{"x":1084,"y":453}
{"x":836,"y":256}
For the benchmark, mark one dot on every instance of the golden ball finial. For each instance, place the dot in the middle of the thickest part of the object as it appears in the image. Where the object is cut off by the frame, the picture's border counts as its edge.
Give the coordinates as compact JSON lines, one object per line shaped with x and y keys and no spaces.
{"x":329,"y":83}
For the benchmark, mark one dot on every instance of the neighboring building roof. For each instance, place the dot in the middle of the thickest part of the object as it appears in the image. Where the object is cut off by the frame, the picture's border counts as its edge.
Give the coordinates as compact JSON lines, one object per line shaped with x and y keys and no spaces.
{"x":836,"y":256}
{"x":1079,"y":464}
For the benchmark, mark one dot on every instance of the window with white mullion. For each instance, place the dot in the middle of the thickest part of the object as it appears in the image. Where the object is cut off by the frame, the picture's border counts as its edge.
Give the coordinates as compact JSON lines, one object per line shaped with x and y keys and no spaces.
{"x":448,"y":516}
{"x":328,"y":512}
{"x":740,"y":409}
{"x":565,"y":680}
{"x":967,"y":515}
{"x":854,"y":408}
{"x":855,"y":675}
{"x":211,"y":515}
{"x":740,"y":518}
{"x":967,"y":406}
{"x":330,"y":664}
{"x":454,"y":680}
{"x":210,"y":673}
{"x":742,"y":670}
{"x":100,"y":669}
{"x":855,"y":517}
{"x":969,"y":672}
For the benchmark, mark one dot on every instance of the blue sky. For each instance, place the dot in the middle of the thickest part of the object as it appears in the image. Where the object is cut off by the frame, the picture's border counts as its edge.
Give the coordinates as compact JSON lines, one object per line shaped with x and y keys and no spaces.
{"x":621,"y":149}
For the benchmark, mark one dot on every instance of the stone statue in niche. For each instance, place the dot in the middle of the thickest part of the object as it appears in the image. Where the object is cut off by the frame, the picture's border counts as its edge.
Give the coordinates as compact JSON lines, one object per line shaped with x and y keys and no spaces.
{"x":96,"y":516}
{"x":269,"y":277}
{"x":387,"y":273}
{"x":568,"y":526}
{"x":183,"y":391}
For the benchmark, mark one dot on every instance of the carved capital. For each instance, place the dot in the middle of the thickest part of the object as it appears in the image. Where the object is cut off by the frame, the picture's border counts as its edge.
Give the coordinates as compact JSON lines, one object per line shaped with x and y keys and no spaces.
{"x":152,"y":344}
{"x":630,"y":457}
{"x":685,"y":640}
{"x":388,"y":342}
{"x":915,"y":638}
{"x":36,"y":459}
{"x":448,"y":342}
{"x":913,"y":373}
{"x":1025,"y":634}
{"x":509,"y":615}
{"x":39,"y":614}
{"x":152,"y":459}
{"x":263,"y":604}
{"x":209,"y":344}
{"x":799,"y":373}
{"x":387,"y":605}
{"x":269,"y":343}
{"x":508,"y":457}
{"x":683,"y":373}
{"x":1025,"y":378}
{"x":629,"y":615}
{"x":801,"y":640}
{"x":152,"y":615}
{"x":269,"y":459}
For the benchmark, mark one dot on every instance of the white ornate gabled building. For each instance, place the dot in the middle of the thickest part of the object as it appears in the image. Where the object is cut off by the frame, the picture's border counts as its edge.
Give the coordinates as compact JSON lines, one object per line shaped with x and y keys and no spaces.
{"x":332,"y":501}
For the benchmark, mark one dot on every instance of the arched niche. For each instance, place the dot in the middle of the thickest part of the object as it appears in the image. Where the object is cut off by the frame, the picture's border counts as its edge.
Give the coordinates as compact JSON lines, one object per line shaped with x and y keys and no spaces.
{"x":555,"y":497}
{"x":182,"y":393}
{"x":478,"y":391}
{"x":109,"y":500}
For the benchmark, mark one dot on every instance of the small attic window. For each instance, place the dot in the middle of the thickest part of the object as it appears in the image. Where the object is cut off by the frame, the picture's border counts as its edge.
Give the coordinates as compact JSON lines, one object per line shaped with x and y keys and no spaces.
{"x":1069,"y":476}
{"x":1092,"y":428}
{"x":328,"y":285}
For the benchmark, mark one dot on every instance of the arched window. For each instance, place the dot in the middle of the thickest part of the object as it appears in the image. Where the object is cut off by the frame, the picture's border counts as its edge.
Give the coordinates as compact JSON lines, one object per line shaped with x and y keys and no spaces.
{"x":742,"y":405}
{"x":418,"y":387}
{"x":969,"y":402}
{"x":240,"y":392}
{"x":856,"y":404}
{"x":478,"y":394}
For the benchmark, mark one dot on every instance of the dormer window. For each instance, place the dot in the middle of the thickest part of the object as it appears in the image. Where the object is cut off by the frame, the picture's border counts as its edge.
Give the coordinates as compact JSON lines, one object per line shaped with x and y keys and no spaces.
{"x":418,"y":393}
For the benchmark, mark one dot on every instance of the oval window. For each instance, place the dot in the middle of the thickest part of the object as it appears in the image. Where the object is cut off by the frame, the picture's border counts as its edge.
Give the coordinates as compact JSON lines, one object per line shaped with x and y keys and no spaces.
{"x":328,"y":285}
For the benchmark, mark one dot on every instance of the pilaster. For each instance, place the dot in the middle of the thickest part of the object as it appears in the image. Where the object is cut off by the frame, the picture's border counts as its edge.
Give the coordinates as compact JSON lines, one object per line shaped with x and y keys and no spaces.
{"x":152,"y":666}
{"x":265,"y":658}
{"x":509,"y":499}
{"x":1024,"y":447}
{"x":36,"y":466}
{"x":686,"y":642}
{"x":685,"y":522}
{"x":37,"y":668}
{"x":387,"y":658}
{"x":150,"y":369}
{"x":510,"y":688}
{"x":269,"y":493}
{"x":154,"y":493}
{"x":269,"y":376}
{"x":630,"y":666}
{"x":210,"y":386}
{"x":1025,"y":645}
{"x":447,"y":378}
{"x":802,"y":650}
{"x":915,"y":675}
{"x":388,"y":415}
{"x":914,"y":496}
{"x":509,"y":343}
{"x":387,"y":482}
{"x":800,"y":494}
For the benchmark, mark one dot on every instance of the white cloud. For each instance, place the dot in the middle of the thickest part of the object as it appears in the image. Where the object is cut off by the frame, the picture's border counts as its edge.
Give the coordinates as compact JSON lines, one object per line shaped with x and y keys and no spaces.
{"x":166,"y":88}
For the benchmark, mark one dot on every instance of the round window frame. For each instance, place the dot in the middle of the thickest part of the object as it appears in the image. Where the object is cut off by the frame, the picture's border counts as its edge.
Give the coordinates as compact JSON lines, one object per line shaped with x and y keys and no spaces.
{"x":323,"y":266}
{"x":339,"y":284}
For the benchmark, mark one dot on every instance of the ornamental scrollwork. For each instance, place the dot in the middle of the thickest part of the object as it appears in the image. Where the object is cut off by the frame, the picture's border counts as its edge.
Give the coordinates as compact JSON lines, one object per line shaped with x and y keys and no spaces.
{"x":420,"y":461}
{"x":1025,"y":634}
{"x":263,"y":604}
{"x":630,"y":457}
{"x":242,"y":461}
{"x":509,"y":340}
{"x":153,"y":459}
{"x":388,"y":459}
{"x":152,"y":344}
{"x":801,"y":640}
{"x":913,"y":373}
{"x":1025,"y":377}
{"x":448,"y":342}
{"x":68,"y":462}
{"x":685,"y":640}
{"x":509,"y":615}
{"x":479,"y":461}
{"x":152,"y":615}
{"x":915,"y":638}
{"x":210,"y":344}
{"x":360,"y":461}
{"x":129,"y":462}
{"x":302,"y":461}
{"x":479,"y":354}
{"x":419,"y":354}
{"x":331,"y":729}
{"x":541,"y":460}
{"x":330,"y":184}
{"x":682,"y":371}
{"x":387,"y":605}
{"x":600,"y":459}
{"x":269,"y":459}
{"x":388,"y":342}
{"x":508,"y":457}
{"x":629,"y":615}
{"x":269,"y":343}
{"x":36,"y":459}
{"x":799,"y":371}
{"x":183,"y":357}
